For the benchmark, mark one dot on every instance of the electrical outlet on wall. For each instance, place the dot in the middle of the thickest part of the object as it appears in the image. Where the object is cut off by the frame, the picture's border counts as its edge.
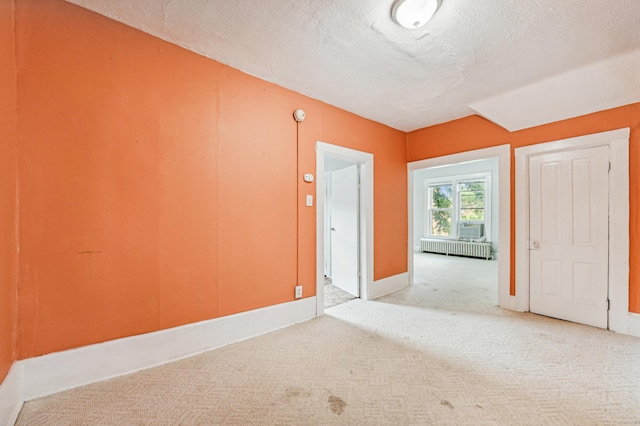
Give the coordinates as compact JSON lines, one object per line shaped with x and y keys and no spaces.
{"x":298,"y":291}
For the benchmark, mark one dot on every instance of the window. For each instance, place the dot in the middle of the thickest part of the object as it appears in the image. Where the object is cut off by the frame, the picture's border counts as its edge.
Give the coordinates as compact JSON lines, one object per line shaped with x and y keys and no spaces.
{"x":471,"y":201}
{"x":441,"y":210}
{"x":455,"y":202}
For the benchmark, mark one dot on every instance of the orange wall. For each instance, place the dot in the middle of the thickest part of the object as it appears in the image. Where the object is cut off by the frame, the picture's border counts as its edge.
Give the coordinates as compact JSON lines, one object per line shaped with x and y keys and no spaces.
{"x":475,"y":132}
{"x":8,"y":247}
{"x":158,"y":187}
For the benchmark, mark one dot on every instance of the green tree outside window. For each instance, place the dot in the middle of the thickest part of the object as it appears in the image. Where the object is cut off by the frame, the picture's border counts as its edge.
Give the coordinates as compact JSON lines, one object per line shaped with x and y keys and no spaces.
{"x":441,"y":209}
{"x":471,"y":200}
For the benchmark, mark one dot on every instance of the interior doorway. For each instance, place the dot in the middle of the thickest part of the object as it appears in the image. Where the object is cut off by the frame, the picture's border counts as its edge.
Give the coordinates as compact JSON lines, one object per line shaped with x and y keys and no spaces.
{"x":456,"y":233}
{"x":497,"y":162}
{"x":344,"y":222}
{"x":342,"y":233}
{"x":617,"y":195}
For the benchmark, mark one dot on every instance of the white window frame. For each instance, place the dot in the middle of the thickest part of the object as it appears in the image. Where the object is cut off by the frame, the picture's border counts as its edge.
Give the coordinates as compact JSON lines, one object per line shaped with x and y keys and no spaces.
{"x":454,"y":181}
{"x":428,"y":209}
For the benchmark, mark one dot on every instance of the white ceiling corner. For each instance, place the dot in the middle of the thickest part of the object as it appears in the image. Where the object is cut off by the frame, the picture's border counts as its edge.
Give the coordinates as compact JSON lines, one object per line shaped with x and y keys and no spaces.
{"x":516,"y":63}
{"x":606,"y":84}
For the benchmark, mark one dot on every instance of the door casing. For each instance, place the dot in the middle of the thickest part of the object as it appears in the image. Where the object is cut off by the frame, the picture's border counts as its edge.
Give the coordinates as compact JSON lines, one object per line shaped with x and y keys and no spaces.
{"x":365,"y":160}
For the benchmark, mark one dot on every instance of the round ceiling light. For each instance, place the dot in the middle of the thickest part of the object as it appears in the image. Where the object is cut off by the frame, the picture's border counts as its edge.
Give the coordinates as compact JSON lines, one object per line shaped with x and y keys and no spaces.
{"x":413,"y":14}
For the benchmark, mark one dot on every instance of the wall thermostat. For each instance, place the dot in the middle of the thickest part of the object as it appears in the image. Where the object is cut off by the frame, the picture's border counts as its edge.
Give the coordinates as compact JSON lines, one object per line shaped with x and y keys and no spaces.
{"x":308,"y":177}
{"x":298,"y":115}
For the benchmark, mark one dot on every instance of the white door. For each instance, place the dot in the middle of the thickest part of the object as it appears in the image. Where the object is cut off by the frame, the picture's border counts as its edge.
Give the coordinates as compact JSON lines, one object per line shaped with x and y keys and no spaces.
{"x":344,"y":229}
{"x":327,"y":227}
{"x":568,"y":248}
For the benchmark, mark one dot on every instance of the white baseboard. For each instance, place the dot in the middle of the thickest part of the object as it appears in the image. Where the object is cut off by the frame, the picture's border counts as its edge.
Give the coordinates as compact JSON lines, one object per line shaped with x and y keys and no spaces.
{"x":634,"y":324}
{"x":513,"y":303}
{"x":64,"y":370}
{"x":388,"y":285}
{"x":11,"y":395}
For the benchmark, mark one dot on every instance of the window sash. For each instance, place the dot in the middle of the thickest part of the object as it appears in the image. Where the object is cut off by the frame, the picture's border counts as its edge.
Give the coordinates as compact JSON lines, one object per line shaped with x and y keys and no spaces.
{"x":448,"y":199}
{"x":440,"y":212}
{"x":440,"y":222}
{"x":472,"y":196}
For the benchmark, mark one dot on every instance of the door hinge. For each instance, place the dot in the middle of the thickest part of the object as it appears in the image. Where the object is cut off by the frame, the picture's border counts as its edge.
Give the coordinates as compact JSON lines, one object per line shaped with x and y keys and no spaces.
{"x":609,"y":169}
{"x":608,"y":304}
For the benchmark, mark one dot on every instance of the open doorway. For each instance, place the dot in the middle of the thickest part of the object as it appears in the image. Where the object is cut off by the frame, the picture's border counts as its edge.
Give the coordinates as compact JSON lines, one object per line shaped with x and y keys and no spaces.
{"x":456,"y":229}
{"x":342,"y":234}
{"x":459,"y":222}
{"x":344,"y":221}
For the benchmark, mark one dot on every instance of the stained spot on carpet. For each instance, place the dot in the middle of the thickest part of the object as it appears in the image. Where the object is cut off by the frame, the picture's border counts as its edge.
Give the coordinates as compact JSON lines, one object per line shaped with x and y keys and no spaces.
{"x":549,"y":337}
{"x":337,"y":405}
{"x":296,"y":392}
{"x":446,"y":403}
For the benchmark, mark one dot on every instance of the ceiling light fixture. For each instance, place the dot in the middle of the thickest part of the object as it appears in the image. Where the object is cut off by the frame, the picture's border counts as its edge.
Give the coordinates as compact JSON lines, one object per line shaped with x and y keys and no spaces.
{"x":413,"y":14}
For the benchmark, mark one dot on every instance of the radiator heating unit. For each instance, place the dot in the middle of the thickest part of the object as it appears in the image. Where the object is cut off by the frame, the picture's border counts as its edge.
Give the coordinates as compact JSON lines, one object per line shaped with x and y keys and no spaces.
{"x":458,"y":248}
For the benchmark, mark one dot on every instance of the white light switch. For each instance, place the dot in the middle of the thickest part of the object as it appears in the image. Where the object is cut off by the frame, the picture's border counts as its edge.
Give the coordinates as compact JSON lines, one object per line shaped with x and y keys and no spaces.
{"x":309,"y":200}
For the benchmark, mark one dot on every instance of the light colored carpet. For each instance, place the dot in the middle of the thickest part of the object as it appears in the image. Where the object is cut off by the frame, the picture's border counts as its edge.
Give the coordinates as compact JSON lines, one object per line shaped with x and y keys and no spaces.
{"x":440,"y":352}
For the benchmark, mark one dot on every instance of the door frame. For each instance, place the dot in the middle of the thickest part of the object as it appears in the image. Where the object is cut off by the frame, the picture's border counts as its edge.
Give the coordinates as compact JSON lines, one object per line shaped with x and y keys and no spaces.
{"x":503,"y":153}
{"x":365,"y":160}
{"x":337,"y":251}
{"x":618,"y":142}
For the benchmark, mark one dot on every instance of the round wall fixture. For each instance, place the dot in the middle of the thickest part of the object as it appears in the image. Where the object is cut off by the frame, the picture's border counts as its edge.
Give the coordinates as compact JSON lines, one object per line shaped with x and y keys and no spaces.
{"x":298,"y":115}
{"x":412,"y":14}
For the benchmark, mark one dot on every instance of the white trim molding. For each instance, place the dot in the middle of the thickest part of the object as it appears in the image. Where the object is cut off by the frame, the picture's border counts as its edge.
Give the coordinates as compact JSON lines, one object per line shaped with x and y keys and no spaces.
{"x":389,"y":285}
{"x":634,"y":324}
{"x":11,"y":395}
{"x":503,"y":153}
{"x":365,"y":160}
{"x":64,"y":370}
{"x":618,"y":142}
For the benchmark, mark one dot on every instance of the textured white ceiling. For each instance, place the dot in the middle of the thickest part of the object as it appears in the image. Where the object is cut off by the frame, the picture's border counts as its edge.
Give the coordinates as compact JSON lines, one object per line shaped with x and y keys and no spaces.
{"x":349,"y":53}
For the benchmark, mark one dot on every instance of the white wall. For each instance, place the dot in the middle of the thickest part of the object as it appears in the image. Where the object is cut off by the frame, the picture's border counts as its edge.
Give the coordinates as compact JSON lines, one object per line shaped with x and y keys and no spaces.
{"x":419,"y":176}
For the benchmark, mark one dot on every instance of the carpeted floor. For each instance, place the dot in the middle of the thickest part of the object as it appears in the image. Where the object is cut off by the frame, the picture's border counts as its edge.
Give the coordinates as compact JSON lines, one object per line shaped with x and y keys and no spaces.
{"x":440,"y":352}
